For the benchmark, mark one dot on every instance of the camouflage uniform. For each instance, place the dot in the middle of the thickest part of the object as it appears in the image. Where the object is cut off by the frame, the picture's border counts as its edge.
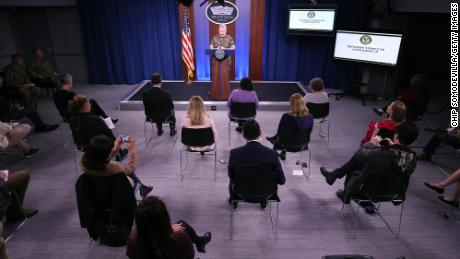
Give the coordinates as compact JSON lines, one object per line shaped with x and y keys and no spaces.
{"x":17,"y":80}
{"x":42,"y":74}
{"x":224,"y":42}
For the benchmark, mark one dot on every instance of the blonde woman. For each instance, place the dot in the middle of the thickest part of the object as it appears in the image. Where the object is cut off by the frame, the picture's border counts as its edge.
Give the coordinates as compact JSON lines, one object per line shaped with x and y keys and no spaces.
{"x":297,"y":119}
{"x":197,"y":118}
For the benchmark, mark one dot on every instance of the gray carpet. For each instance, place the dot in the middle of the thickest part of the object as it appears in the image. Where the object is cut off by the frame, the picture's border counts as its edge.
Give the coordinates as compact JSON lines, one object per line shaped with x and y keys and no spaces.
{"x":309,"y":225}
{"x":266,"y":92}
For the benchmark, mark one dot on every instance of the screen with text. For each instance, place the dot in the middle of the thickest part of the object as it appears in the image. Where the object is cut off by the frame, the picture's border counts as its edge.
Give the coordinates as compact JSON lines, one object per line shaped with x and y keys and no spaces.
{"x":378,"y":48}
{"x":311,"y":19}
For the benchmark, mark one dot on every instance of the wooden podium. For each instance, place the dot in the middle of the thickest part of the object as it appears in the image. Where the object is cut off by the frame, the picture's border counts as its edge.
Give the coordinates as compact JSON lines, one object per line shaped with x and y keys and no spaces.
{"x":220,"y":73}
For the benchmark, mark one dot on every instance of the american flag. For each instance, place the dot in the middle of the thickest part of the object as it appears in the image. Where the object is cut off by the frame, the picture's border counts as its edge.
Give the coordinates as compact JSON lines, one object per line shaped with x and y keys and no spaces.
{"x":187,"y":48}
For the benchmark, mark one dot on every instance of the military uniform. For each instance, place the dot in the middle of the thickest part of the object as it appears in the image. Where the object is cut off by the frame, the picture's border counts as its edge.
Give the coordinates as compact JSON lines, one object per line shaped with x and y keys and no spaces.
{"x":42,"y":74}
{"x":224,"y":42}
{"x":17,"y":80}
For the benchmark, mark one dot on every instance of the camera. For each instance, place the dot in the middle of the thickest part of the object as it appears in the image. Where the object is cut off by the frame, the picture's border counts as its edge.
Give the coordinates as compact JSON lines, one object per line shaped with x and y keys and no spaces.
{"x":123,"y":138}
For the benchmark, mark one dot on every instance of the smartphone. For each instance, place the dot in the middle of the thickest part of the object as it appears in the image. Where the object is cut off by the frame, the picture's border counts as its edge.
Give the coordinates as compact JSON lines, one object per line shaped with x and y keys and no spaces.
{"x":123,"y":138}
{"x":4,"y":175}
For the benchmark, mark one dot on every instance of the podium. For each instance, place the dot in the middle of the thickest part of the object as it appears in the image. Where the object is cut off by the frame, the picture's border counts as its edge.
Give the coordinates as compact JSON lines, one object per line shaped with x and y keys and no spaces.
{"x":220,"y":75}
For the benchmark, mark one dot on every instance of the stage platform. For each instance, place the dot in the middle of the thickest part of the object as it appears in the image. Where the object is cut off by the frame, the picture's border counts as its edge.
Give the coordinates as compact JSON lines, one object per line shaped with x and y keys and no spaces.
{"x":272,"y":96}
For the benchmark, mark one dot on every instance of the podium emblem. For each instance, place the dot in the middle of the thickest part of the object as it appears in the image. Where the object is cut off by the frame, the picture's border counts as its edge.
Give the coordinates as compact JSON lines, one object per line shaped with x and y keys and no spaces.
{"x":219,"y":54}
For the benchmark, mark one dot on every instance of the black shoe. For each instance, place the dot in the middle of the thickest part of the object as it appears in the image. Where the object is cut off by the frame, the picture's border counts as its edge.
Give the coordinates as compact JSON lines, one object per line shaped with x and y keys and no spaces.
{"x":204,"y":240}
{"x":271,"y":140}
{"x":450,"y":203}
{"x":173,"y":132}
{"x":233,"y":204}
{"x":341,"y":195}
{"x":377,"y":111}
{"x":46,"y":128}
{"x":114,"y":121}
{"x":434,"y":188}
{"x":144,"y":190}
{"x":330,"y":176}
{"x":28,"y":213}
{"x":282,"y":155}
{"x":263,"y":205}
{"x":370,"y":209}
{"x":160,"y":132}
{"x":32,"y":152}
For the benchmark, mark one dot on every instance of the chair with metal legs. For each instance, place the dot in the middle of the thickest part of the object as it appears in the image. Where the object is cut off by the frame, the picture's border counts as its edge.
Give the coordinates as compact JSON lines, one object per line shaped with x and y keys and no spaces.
{"x":377,"y":189}
{"x":152,"y":123}
{"x":296,"y":142}
{"x":255,"y":185}
{"x":193,"y":138}
{"x":320,"y":112}
{"x":18,"y":224}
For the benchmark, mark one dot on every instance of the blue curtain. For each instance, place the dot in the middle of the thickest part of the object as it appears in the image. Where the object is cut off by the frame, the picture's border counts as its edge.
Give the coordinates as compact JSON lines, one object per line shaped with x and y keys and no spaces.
{"x":128,"y":40}
{"x":300,"y":58}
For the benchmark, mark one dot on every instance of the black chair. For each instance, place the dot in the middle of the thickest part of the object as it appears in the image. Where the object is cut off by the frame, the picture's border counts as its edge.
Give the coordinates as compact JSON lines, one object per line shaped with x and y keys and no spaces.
{"x":240,"y":113}
{"x":152,"y":123}
{"x":376,"y":189}
{"x":198,"y":138}
{"x":256,"y":185}
{"x":106,"y":207}
{"x":320,"y":112}
{"x":296,"y":142}
{"x":415,"y":110}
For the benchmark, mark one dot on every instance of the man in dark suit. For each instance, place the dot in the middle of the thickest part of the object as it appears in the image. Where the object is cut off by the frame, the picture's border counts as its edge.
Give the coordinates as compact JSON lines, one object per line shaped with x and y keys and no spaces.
{"x":253,"y":154}
{"x":158,"y":105}
{"x":63,"y":96}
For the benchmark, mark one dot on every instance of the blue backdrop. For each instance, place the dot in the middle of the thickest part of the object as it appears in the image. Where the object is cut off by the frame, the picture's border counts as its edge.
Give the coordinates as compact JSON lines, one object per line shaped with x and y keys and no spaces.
{"x":128,"y":40}
{"x":300,"y":58}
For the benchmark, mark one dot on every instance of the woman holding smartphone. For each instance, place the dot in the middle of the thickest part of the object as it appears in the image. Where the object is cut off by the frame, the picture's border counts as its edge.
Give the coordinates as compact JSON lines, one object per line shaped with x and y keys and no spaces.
{"x":98,"y":159}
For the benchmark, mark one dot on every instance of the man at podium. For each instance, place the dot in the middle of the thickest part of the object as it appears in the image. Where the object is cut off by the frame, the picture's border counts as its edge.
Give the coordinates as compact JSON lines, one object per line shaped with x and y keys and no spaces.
{"x":221,"y":67}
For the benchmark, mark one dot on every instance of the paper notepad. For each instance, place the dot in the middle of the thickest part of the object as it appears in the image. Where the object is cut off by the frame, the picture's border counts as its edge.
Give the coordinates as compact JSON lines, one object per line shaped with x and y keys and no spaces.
{"x":297,"y":172}
{"x":109,"y":123}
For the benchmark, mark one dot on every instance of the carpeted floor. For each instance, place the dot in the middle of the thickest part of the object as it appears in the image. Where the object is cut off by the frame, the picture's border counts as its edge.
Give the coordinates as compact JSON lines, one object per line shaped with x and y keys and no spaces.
{"x":310,"y":225}
{"x":268,"y":92}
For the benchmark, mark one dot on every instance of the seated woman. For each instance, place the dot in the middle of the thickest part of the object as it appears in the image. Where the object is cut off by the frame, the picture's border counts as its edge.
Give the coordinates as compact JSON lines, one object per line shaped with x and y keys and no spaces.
{"x":318,"y":95}
{"x":440,"y":186}
{"x":416,"y":98}
{"x":197,"y":118}
{"x":449,"y":137}
{"x":297,"y":119}
{"x":97,"y":160}
{"x":12,"y":134}
{"x":155,"y":237}
{"x":244,"y":94}
{"x":63,"y":96}
{"x":386,"y":128}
